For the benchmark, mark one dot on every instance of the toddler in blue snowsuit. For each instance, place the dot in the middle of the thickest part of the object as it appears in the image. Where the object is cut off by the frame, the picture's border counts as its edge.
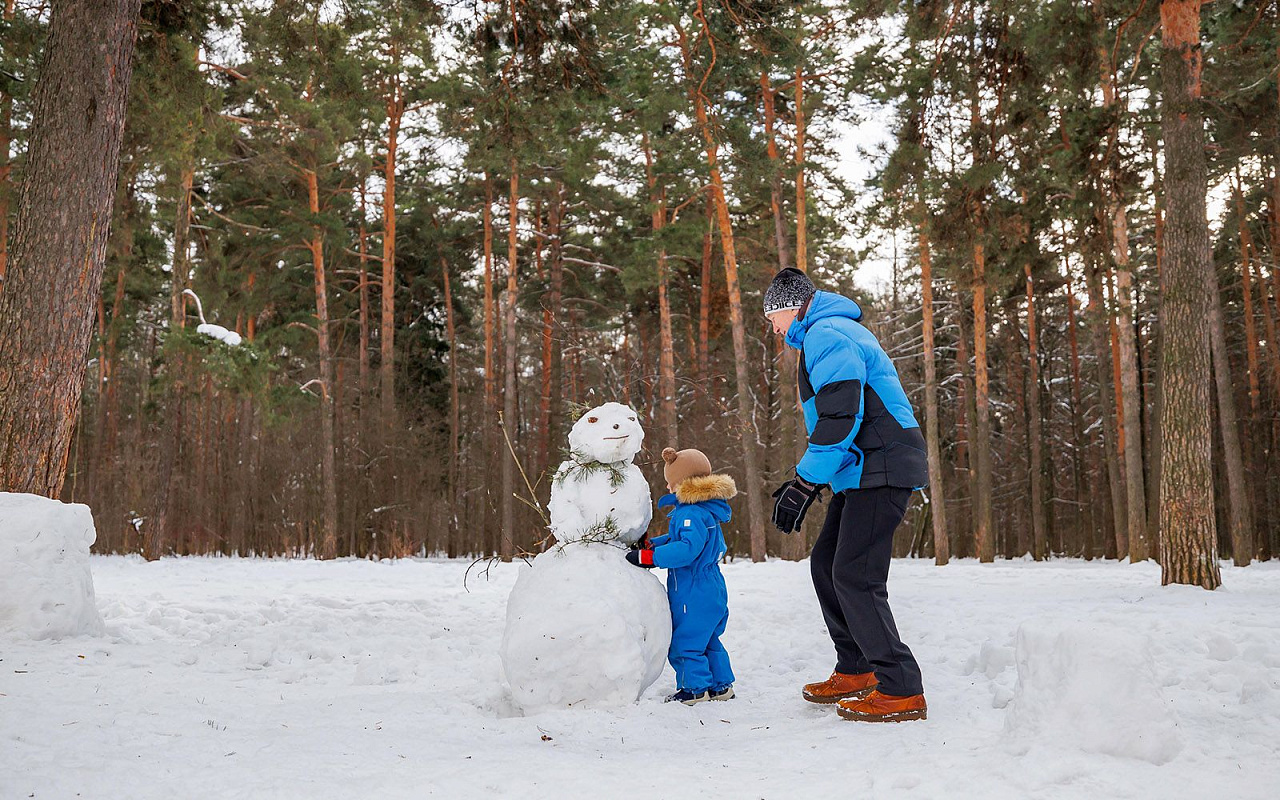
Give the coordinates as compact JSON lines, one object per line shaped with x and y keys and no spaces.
{"x":690,"y":552}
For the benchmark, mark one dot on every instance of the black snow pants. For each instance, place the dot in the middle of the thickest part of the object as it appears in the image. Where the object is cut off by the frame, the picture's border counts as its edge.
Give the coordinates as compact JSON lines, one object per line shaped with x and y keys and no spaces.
{"x":850,"y":564}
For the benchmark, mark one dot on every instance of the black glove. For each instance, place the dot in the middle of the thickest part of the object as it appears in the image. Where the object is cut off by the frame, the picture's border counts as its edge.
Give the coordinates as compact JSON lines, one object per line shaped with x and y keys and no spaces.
{"x":641,"y":558}
{"x":793,"y":499}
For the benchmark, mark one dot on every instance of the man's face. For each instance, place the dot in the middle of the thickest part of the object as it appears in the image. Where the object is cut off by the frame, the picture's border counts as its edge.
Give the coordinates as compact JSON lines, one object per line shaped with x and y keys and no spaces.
{"x":781,"y":320}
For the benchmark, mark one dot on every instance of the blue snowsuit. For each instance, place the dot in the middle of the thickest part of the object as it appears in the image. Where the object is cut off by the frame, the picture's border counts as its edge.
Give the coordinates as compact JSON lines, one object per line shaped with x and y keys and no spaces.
{"x":690,"y":552}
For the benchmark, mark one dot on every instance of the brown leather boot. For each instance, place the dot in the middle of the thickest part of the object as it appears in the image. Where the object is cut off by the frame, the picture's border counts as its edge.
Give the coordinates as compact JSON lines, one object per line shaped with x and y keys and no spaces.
{"x":877,"y":707}
{"x":840,"y":687}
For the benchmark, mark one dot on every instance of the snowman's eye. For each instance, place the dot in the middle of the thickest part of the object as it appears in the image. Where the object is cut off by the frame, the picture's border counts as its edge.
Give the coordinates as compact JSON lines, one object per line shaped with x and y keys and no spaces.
{"x":593,"y":419}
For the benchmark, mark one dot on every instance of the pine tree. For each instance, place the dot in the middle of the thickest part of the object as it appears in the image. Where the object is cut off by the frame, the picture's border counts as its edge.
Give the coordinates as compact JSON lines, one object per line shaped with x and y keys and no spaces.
{"x":1188,"y":539}
{"x":56,"y":255}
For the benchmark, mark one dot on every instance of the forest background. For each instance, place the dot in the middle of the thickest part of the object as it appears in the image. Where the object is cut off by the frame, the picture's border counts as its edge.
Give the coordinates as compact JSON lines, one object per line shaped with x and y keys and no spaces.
{"x":444,"y":228}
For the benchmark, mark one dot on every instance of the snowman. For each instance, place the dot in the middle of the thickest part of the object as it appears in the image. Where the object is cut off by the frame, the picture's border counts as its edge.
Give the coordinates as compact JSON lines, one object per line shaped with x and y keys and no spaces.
{"x":584,"y":627}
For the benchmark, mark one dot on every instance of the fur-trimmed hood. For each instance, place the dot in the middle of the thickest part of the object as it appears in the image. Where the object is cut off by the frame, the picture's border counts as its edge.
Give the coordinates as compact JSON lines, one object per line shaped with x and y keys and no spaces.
{"x":705,"y":487}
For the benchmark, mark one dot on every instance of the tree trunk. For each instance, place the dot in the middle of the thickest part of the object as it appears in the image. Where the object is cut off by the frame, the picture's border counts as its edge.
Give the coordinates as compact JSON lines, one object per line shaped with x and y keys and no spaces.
{"x":1106,"y":405}
{"x":548,"y":344}
{"x":704,"y":305}
{"x":1128,"y":396}
{"x":364,"y":303}
{"x":1117,"y":387}
{"x":775,"y":179}
{"x":1131,"y":401}
{"x":110,"y":403}
{"x":181,"y":247}
{"x":966,"y":422}
{"x":667,"y":418}
{"x":551,"y":358}
{"x":1039,"y":537}
{"x":802,"y":250}
{"x":981,"y":445}
{"x":937,"y":493}
{"x":507,"y":546}
{"x":6,"y":163}
{"x":667,"y":421}
{"x":1269,"y":322}
{"x":1153,"y":425}
{"x":163,"y":529}
{"x":328,"y":470}
{"x":792,"y":435}
{"x":1250,"y":325}
{"x":490,"y":378}
{"x":746,"y":426}
{"x":1188,"y":539}
{"x":490,"y":414}
{"x":59,"y":238}
{"x":455,"y":487}
{"x":1255,"y":448}
{"x":386,"y":341}
{"x":99,"y":462}
{"x":1084,"y":506}
{"x":1239,"y":512}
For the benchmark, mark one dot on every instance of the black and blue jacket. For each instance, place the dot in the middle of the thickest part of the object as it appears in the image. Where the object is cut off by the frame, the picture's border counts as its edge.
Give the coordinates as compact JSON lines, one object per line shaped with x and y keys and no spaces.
{"x":862,"y":432}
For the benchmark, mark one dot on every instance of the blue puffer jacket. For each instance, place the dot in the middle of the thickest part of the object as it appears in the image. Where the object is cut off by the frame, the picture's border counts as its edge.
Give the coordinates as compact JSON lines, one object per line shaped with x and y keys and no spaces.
{"x":862,"y":432}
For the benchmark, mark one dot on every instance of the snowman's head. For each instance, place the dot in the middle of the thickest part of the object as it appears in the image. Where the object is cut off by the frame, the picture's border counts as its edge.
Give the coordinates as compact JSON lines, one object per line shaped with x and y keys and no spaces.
{"x":607,"y":433}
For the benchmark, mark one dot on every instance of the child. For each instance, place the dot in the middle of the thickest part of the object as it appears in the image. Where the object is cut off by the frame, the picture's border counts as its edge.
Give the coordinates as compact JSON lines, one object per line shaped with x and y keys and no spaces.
{"x":690,"y":552}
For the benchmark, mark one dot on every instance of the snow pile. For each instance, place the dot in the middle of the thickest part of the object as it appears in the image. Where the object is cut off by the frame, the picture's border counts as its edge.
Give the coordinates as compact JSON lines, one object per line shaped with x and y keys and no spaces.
{"x":229,"y":338}
{"x":598,"y":494}
{"x":584,"y":627}
{"x":46,"y":589}
{"x":1093,"y":689}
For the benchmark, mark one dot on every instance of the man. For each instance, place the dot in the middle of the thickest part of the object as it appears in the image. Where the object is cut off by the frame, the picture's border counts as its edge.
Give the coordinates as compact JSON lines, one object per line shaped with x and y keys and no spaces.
{"x":865,"y":445}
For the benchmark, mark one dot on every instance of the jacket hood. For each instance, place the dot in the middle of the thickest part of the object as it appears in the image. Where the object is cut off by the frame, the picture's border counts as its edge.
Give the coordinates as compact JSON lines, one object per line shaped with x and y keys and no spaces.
{"x":823,"y":306}
{"x":712,"y":492}
{"x":702,"y":488}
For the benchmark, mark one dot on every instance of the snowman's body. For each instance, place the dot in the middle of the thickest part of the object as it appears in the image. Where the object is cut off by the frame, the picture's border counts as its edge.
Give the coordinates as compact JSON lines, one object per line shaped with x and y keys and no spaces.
{"x":584,"y":627}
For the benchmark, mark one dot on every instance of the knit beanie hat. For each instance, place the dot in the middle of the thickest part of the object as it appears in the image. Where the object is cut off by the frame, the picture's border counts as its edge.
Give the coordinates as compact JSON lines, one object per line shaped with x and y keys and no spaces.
{"x":684,"y":464}
{"x":789,"y":289}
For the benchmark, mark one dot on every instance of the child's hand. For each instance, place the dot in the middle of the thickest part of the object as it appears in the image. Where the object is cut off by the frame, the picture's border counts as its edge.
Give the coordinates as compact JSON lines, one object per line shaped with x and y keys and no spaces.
{"x":641,"y":558}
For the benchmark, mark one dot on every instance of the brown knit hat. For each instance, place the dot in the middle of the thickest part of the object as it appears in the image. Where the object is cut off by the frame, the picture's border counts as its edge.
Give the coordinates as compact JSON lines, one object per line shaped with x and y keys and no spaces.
{"x":683,"y":464}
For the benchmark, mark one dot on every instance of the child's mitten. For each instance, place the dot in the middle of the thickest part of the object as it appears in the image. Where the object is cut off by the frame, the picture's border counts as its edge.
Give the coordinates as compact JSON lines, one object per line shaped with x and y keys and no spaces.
{"x":641,"y":558}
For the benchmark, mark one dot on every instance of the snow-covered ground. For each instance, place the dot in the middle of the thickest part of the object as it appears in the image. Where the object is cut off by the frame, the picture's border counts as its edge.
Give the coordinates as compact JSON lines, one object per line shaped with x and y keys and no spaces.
{"x":299,"y":679}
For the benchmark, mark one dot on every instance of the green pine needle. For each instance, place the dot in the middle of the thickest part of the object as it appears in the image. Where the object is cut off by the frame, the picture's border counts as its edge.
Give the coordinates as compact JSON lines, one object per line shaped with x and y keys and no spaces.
{"x":583,"y":467}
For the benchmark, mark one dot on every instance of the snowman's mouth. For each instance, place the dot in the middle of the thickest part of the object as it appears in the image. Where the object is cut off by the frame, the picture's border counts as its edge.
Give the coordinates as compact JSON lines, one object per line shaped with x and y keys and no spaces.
{"x":613,"y":438}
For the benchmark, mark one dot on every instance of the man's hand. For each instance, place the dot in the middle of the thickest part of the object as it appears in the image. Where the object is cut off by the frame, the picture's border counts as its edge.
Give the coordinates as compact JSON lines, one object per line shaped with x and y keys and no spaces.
{"x":792,"y":501}
{"x":641,"y":558}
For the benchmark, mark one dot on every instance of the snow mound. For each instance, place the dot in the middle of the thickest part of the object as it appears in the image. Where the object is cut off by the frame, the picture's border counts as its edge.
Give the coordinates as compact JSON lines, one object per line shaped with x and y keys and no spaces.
{"x":229,"y":338}
{"x":46,"y":589}
{"x":584,"y":628}
{"x":1092,"y":689}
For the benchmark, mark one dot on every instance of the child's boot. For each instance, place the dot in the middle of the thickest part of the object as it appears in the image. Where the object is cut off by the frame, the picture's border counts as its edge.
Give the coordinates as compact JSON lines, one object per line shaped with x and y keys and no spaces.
{"x":688,"y":697}
{"x":723,"y":693}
